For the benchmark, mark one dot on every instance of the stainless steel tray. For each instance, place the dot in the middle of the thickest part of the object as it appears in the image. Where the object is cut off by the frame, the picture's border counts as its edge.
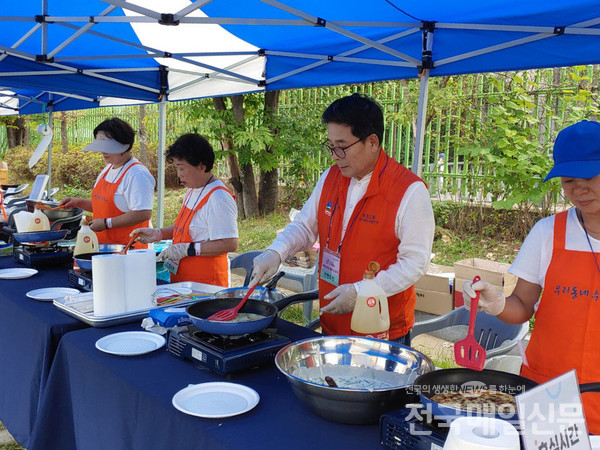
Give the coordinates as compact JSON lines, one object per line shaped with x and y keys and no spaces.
{"x":81,"y":306}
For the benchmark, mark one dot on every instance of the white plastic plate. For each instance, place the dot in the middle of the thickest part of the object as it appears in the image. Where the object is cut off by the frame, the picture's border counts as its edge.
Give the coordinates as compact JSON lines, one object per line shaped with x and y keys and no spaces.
{"x":215,"y":400}
{"x":49,"y":294}
{"x":130,"y":343}
{"x":16,"y":274}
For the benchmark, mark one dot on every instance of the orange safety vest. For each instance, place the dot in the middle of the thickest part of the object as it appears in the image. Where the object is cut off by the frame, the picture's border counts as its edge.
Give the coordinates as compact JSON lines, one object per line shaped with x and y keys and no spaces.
{"x":202,"y":269}
{"x":103,"y":206}
{"x":566,"y":334}
{"x":370,"y":236}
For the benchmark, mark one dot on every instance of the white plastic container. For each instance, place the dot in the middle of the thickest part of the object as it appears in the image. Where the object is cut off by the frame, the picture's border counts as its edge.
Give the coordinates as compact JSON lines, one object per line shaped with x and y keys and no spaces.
{"x":371,"y":316}
{"x":22,"y":221}
{"x":39,"y":221}
{"x":87,"y":241}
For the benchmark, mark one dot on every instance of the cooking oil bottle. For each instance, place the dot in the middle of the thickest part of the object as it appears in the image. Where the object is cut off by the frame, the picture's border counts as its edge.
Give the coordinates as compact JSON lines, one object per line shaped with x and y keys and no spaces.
{"x":39,"y":221}
{"x":371,"y":317}
{"x":87,"y":241}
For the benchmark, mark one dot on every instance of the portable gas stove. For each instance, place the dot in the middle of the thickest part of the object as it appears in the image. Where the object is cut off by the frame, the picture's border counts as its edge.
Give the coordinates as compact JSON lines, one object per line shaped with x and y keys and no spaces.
{"x":413,"y":428}
{"x":81,"y":279}
{"x":36,"y":256}
{"x":225,"y":354}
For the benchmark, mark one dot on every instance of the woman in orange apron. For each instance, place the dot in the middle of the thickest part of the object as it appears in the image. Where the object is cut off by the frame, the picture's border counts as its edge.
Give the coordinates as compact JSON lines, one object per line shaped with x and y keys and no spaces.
{"x":123,"y":195}
{"x":561,"y":258}
{"x":206,"y":228}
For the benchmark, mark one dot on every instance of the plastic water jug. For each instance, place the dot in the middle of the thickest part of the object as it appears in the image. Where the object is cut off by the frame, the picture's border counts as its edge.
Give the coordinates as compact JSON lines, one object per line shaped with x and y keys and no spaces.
{"x":22,"y":221}
{"x":87,"y":241}
{"x":371,"y":316}
{"x":39,"y":221}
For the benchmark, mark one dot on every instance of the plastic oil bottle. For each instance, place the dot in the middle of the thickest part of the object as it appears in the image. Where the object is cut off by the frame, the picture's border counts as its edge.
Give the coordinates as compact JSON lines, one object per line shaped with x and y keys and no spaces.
{"x":371,"y":317}
{"x":87,"y":241}
{"x":39,"y":221}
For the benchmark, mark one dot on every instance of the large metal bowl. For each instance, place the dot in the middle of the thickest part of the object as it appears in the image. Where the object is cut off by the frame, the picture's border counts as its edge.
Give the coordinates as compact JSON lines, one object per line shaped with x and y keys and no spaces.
{"x":386,"y":369}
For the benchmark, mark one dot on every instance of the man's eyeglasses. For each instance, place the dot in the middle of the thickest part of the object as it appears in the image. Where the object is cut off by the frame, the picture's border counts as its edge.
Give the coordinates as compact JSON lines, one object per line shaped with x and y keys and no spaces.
{"x":340,"y":152}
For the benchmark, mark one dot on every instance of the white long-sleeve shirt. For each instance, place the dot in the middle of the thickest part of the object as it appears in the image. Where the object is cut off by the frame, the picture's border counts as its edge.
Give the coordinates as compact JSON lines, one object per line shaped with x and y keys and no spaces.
{"x":414,"y":228}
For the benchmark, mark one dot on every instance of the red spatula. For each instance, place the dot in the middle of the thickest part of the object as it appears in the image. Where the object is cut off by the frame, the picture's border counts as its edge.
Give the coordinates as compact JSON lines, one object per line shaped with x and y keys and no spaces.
{"x":230,"y":313}
{"x":468,"y":352}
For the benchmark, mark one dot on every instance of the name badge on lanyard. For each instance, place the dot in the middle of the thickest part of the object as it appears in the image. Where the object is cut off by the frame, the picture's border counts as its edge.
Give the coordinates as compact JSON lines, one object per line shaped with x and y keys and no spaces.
{"x":330,"y":267}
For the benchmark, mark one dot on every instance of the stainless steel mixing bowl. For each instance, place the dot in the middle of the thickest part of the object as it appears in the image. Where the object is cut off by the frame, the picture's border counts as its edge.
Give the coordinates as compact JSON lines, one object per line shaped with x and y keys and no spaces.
{"x":373,"y":375}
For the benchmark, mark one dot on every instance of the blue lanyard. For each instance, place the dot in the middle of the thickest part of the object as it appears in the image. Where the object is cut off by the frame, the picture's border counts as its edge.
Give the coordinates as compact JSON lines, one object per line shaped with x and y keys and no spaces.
{"x":349,"y":227}
{"x":588,"y":239}
{"x":355,"y":217}
{"x":191,"y":213}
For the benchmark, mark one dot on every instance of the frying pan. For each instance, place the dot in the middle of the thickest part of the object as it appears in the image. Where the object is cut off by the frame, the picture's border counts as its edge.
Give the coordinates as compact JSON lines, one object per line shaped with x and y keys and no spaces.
{"x":438,"y":381}
{"x":84,"y":260}
{"x":40,"y":236}
{"x":199,"y":311}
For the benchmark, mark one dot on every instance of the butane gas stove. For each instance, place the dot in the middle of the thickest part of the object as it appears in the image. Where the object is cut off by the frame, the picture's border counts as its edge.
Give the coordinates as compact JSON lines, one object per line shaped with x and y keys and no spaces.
{"x":413,"y":428}
{"x":34,"y":256}
{"x":225,"y":354}
{"x":81,"y":279}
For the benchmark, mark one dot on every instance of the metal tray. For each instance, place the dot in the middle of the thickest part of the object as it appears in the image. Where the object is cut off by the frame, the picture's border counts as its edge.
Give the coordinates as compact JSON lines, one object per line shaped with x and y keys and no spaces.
{"x":81,"y":306}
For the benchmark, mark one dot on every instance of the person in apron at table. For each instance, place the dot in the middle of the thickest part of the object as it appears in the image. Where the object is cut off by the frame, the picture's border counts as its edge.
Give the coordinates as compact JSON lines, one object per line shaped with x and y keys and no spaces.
{"x":559,"y":260}
{"x":123,"y":196}
{"x":205,"y":229}
{"x":366,"y":207}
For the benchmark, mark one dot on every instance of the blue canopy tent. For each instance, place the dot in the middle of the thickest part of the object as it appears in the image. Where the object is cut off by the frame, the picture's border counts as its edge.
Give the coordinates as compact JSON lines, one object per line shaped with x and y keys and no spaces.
{"x":59,"y":54}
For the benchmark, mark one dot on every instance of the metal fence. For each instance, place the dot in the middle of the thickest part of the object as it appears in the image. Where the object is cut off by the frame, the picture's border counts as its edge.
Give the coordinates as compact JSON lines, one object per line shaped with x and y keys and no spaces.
{"x":455,"y":116}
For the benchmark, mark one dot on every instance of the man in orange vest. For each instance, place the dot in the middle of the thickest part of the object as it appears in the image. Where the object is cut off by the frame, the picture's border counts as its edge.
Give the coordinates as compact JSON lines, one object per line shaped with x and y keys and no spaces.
{"x":123,"y":195}
{"x":366,"y":207}
{"x":206,"y":227}
{"x":559,"y":260}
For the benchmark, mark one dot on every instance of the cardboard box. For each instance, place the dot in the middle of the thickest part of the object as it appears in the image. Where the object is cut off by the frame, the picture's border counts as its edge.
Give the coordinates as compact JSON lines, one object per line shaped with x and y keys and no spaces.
{"x":438,"y":278}
{"x":434,"y":290}
{"x":434,"y":302}
{"x":3,"y":173}
{"x":493,"y":272}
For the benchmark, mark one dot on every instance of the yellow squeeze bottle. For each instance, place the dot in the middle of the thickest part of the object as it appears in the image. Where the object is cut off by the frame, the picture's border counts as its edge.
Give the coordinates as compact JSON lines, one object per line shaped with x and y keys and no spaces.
{"x":87,"y":241}
{"x":39,"y":221}
{"x":371,"y":316}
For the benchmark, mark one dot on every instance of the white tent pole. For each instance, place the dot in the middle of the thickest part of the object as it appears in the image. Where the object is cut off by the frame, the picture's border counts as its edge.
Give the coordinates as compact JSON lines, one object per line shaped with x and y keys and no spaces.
{"x":51,"y":125}
{"x":421,"y":117}
{"x":423,"y":94}
{"x":162,"y":132}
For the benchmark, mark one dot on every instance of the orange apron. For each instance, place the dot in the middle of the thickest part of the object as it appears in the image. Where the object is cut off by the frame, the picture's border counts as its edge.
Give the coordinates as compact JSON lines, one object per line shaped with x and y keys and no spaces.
{"x":566,"y":334}
{"x":201,"y":269}
{"x":370,"y":236}
{"x":103,"y":206}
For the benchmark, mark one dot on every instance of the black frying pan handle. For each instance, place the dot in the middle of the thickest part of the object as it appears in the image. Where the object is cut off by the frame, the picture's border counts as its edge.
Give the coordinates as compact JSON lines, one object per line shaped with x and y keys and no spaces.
{"x":297,"y":298}
{"x":271,"y":284}
{"x":589,"y":387}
